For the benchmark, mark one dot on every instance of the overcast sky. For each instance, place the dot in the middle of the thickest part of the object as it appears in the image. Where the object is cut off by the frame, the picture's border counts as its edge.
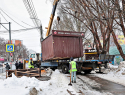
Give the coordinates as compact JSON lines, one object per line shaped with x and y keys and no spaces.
{"x":17,"y":11}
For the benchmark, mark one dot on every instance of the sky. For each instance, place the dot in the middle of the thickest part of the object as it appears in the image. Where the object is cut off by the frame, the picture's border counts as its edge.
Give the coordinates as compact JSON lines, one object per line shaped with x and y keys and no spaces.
{"x":17,"y":11}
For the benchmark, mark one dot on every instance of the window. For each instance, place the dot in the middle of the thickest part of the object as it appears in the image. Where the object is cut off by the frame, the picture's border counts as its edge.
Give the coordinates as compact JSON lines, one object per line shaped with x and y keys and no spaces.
{"x":40,"y":55}
{"x":32,"y":56}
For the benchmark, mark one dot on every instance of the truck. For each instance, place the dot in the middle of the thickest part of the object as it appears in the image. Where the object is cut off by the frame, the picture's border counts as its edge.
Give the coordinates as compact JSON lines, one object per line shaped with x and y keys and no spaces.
{"x":60,"y":46}
{"x":36,"y":57}
{"x":57,"y":49}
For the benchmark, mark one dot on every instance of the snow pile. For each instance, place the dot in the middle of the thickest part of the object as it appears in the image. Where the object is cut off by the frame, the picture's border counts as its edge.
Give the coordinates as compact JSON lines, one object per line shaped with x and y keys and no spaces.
{"x":115,"y":73}
{"x":112,"y":66}
{"x":58,"y":85}
{"x":121,"y":68}
{"x":118,"y":70}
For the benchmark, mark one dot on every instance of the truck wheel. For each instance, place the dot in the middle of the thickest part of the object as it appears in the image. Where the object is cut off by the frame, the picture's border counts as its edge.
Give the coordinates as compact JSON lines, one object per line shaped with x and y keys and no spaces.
{"x":65,"y":69}
{"x":87,"y":71}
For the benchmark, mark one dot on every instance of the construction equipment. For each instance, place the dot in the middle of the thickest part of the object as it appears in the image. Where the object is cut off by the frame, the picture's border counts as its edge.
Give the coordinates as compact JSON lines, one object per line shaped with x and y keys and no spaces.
{"x":37,"y":56}
{"x":52,"y":16}
{"x":62,"y":45}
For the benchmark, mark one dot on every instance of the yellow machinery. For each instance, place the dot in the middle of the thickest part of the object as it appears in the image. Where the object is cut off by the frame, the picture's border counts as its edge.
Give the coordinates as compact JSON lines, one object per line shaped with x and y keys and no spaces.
{"x":52,"y":16}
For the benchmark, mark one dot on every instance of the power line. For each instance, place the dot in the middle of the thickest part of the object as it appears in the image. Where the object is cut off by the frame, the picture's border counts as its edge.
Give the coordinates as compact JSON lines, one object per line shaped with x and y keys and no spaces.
{"x":27,"y":24}
{"x":11,"y":18}
{"x":19,"y":30}
{"x":19,"y":19}
{"x":3,"y":17}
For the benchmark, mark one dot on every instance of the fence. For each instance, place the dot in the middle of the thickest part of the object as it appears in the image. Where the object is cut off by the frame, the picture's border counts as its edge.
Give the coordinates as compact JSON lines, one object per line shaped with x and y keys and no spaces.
{"x":24,"y":72}
{"x":2,"y":70}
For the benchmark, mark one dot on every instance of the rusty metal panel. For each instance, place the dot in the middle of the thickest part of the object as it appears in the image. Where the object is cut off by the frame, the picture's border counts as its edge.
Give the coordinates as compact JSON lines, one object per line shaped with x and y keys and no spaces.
{"x":66,"y":47}
{"x":47,"y":48}
{"x":62,"y":46}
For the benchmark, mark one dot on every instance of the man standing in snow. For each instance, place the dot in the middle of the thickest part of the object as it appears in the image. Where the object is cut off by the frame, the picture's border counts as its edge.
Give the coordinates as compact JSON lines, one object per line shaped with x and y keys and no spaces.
{"x":73,"y":69}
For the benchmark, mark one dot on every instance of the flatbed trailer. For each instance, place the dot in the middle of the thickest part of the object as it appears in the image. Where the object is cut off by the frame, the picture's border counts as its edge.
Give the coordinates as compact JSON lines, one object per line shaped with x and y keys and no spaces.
{"x":84,"y":65}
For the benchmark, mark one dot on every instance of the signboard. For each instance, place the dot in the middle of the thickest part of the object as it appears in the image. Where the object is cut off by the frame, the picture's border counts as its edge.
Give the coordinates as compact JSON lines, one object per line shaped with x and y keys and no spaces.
{"x":1,"y":59}
{"x":9,"y":47}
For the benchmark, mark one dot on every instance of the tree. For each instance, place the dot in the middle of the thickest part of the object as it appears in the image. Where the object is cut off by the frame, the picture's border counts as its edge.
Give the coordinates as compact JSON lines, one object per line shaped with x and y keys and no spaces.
{"x":2,"y":47}
{"x":100,"y":17}
{"x":20,"y":52}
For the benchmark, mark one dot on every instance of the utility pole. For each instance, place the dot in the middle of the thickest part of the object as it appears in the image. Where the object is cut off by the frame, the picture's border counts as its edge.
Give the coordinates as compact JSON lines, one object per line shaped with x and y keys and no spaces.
{"x":9,"y":32}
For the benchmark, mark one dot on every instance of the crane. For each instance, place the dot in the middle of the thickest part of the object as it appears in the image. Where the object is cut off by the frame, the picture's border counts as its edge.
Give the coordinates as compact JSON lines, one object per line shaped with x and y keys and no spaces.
{"x":52,"y":16}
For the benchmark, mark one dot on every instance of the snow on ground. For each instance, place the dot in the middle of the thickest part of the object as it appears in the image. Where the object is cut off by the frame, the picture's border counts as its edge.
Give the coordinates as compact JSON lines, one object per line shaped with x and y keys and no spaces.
{"x":57,"y":85}
{"x":115,"y":73}
{"x":86,"y":86}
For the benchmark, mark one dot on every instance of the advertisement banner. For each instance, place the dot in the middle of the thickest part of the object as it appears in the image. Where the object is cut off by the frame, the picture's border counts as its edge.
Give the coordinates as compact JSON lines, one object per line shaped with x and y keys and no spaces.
{"x":1,"y":59}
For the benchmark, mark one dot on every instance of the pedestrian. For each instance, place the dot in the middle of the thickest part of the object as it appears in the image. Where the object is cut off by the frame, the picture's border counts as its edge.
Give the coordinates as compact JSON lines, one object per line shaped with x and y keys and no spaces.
{"x":11,"y":64}
{"x":7,"y":66}
{"x":20,"y":65}
{"x":17,"y":65}
{"x":73,"y":70}
{"x":30,"y":63}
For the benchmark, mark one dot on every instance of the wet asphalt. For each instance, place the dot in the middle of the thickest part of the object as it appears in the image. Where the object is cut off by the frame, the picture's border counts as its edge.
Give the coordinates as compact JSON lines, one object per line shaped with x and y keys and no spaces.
{"x":107,"y":86}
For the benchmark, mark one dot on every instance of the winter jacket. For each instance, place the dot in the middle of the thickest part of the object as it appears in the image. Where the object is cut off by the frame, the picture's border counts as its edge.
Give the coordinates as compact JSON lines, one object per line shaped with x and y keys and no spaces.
{"x":17,"y":65}
{"x":7,"y":67}
{"x":20,"y":65}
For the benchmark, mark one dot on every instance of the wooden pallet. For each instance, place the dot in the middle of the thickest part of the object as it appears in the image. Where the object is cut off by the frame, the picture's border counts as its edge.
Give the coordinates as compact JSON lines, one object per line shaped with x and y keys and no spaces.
{"x":35,"y":72}
{"x":9,"y":73}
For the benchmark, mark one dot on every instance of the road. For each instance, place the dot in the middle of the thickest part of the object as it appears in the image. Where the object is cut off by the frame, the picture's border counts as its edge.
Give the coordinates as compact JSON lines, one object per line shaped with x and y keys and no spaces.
{"x":96,"y":84}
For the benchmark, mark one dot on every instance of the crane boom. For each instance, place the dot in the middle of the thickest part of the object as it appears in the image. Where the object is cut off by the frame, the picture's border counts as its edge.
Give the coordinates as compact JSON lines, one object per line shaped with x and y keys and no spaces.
{"x":52,"y":16}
